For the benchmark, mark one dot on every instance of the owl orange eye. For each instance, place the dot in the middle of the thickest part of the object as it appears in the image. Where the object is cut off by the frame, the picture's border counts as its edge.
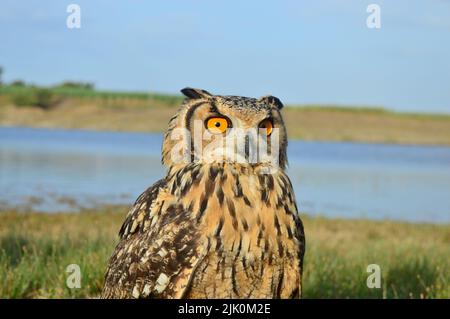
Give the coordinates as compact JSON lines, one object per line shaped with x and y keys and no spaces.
{"x":268,"y":125}
{"x":217,"y":125}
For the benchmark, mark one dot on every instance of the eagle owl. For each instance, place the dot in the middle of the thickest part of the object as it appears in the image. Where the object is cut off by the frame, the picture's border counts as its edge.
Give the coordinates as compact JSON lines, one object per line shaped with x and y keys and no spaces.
{"x":216,"y":226}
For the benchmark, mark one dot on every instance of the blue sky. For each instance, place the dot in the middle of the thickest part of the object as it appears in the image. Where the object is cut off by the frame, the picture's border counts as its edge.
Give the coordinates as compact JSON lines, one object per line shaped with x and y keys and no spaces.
{"x":301,"y":51}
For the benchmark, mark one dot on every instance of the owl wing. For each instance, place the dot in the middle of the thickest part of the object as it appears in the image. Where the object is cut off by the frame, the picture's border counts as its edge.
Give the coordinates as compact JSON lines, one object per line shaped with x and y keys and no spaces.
{"x":158,"y":251}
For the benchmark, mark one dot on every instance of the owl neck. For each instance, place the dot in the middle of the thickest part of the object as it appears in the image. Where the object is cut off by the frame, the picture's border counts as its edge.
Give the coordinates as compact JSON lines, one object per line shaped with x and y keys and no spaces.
{"x":233,"y":168}
{"x":212,"y":185}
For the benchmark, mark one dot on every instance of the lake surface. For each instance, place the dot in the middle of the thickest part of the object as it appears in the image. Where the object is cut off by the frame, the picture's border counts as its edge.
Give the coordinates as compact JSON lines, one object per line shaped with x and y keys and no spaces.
{"x":53,"y":170}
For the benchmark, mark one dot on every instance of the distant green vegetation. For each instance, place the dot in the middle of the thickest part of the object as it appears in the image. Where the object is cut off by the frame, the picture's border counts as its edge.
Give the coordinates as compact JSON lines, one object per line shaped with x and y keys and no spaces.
{"x":366,"y":110}
{"x":27,"y":95}
{"x":35,"y":250}
{"x":23,"y":94}
{"x":74,"y":105}
{"x":341,"y":108}
{"x":42,"y":98}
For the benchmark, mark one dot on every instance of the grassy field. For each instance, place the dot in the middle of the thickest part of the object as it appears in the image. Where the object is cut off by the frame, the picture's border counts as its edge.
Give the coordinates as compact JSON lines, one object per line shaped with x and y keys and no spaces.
{"x":74,"y":108}
{"x":35,"y":250}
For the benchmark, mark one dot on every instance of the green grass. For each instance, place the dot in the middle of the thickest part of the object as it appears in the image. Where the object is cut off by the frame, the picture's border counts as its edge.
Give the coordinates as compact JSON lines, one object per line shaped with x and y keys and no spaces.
{"x":85,"y":93}
{"x":35,"y":250}
{"x":33,"y":259}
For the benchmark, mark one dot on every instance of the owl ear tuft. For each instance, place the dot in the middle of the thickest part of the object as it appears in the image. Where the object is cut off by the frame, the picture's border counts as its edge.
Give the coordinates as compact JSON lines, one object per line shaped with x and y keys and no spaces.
{"x":195,"y":93}
{"x":272,"y":100}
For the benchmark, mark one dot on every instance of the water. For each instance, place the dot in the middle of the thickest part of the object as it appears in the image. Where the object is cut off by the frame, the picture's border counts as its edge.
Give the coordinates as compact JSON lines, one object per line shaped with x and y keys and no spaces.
{"x":51,"y":170}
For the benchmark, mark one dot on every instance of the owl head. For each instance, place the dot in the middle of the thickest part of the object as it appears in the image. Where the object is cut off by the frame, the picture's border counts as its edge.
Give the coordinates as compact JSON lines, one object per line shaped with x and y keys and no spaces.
{"x":219,"y":128}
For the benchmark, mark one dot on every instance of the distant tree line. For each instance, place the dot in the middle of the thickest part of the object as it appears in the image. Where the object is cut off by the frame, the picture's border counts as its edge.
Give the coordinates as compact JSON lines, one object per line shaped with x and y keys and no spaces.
{"x":77,"y":85}
{"x":66,"y":84}
{"x":24,"y":94}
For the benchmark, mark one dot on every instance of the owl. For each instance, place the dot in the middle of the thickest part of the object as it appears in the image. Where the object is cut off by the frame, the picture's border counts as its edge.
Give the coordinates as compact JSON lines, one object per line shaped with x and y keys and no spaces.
{"x":223,"y":222}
